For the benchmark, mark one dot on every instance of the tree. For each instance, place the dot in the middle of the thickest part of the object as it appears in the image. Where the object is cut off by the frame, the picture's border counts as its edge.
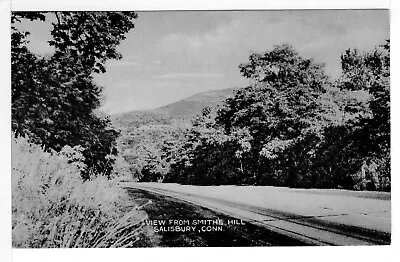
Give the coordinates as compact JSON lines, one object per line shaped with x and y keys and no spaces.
{"x":354,"y":152}
{"x":369,"y":73}
{"x":54,"y":98}
{"x":281,"y":108}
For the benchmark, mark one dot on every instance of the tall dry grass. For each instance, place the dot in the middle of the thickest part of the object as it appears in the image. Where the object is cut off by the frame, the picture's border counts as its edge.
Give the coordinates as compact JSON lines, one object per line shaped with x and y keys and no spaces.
{"x":53,"y":207}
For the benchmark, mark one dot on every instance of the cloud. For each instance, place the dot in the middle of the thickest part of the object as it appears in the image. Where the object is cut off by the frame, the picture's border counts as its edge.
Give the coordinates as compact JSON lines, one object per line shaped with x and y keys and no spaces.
{"x":194,"y":43}
{"x":259,"y":31}
{"x":189,"y":75}
{"x":118,"y":63}
{"x":133,"y":61}
{"x":243,"y":29}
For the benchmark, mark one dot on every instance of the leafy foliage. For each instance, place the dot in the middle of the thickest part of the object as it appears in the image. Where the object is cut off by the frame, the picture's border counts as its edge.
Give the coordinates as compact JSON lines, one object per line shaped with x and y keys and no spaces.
{"x":280,"y":109}
{"x":54,"y":98}
{"x":294,"y":127}
{"x":148,"y":149}
{"x":370,"y":73}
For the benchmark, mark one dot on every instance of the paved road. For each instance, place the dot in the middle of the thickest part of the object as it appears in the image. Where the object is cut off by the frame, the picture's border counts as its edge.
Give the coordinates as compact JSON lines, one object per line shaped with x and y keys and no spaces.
{"x":317,"y":217}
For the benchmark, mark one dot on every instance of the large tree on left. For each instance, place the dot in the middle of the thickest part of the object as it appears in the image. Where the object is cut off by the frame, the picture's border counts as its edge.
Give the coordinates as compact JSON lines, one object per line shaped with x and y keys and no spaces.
{"x":54,"y":98}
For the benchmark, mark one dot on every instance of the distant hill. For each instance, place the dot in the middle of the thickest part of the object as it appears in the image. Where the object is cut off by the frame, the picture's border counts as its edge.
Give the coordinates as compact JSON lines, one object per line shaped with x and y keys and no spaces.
{"x":181,"y":111}
{"x":191,"y":106}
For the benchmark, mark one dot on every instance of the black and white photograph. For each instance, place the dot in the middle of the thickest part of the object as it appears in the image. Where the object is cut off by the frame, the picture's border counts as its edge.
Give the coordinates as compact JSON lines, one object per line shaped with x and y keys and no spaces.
{"x":200,"y":128}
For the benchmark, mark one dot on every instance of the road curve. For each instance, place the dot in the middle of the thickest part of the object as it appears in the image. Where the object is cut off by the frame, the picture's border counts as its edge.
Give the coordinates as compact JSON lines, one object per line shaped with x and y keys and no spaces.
{"x":317,"y":217}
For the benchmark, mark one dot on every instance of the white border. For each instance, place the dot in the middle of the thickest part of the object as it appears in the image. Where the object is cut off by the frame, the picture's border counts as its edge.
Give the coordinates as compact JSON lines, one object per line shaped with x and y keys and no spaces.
{"x":73,"y":5}
{"x":5,"y":129}
{"x":376,"y":253}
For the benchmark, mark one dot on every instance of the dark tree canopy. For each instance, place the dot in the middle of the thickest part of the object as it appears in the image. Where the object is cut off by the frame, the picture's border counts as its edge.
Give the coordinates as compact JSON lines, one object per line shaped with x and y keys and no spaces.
{"x":54,"y":98}
{"x":370,"y":72}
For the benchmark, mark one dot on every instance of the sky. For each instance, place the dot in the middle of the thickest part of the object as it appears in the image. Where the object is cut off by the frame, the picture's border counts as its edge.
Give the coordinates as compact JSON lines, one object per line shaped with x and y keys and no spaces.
{"x":170,"y":55}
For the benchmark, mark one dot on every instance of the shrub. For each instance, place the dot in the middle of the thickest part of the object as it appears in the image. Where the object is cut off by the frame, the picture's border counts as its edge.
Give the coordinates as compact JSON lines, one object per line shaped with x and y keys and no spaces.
{"x":53,"y":207}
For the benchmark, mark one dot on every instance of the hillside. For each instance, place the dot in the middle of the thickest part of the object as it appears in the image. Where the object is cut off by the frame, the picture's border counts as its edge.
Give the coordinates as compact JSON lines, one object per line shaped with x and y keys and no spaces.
{"x":189,"y":107}
{"x":181,"y":111}
{"x":134,"y":119}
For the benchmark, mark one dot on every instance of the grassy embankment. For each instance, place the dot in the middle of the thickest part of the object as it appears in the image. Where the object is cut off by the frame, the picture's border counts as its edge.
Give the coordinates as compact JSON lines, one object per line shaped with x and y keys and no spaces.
{"x":52,"y":207}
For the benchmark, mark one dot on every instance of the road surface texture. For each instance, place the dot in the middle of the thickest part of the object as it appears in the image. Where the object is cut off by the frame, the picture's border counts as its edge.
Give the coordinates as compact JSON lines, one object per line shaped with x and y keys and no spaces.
{"x":168,"y":208}
{"x":311,"y":216}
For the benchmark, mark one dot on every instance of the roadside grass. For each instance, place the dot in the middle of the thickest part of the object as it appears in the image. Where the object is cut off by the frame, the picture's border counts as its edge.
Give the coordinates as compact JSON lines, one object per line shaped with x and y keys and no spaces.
{"x":52,"y":207}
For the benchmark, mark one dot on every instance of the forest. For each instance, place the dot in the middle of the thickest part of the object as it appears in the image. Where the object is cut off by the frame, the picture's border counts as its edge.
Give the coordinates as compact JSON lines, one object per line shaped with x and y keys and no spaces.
{"x":293,"y":126}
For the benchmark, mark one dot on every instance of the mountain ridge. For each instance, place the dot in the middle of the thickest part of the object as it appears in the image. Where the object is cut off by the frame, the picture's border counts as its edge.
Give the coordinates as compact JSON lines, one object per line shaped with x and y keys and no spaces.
{"x":182,"y":111}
